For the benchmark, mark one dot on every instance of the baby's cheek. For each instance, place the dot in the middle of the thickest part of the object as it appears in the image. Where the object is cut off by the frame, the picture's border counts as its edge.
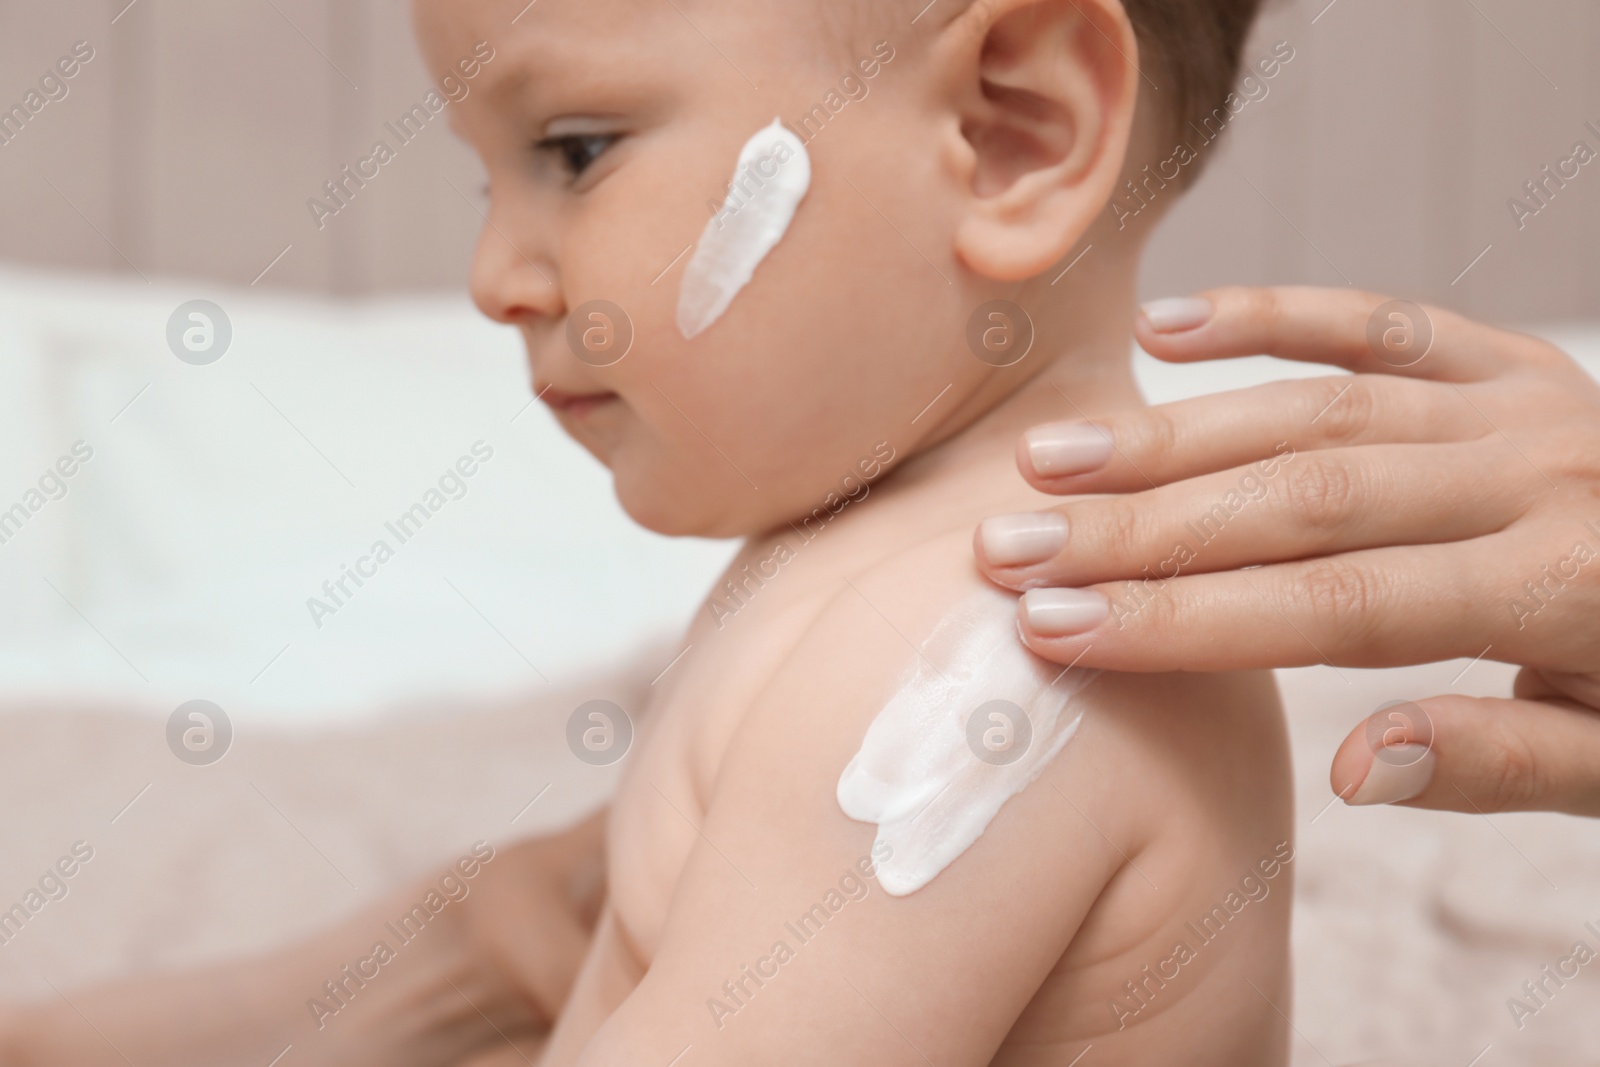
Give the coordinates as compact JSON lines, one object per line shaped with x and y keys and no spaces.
{"x":770,"y":179}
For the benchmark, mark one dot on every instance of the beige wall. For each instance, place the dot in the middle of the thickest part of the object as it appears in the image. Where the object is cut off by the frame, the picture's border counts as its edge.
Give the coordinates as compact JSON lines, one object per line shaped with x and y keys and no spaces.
{"x":1383,"y":155}
{"x":1388,"y":149}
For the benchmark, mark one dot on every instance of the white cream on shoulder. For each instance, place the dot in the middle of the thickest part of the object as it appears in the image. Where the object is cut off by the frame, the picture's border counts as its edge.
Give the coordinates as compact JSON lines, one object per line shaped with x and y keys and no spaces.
{"x":769,"y":181}
{"x":918,"y":774}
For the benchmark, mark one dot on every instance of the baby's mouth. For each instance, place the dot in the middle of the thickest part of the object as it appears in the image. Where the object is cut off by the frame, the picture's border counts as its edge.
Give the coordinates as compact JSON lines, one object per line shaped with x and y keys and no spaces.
{"x":576,"y":405}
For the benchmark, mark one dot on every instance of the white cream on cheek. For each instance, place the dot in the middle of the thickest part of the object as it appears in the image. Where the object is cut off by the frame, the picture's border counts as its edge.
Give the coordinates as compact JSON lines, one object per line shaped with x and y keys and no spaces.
{"x":770,"y":180}
{"x":917,"y":776}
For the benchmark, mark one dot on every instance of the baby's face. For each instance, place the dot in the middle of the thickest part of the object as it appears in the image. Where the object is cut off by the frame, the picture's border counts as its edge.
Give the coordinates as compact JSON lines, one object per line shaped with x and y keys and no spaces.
{"x":607,"y":127}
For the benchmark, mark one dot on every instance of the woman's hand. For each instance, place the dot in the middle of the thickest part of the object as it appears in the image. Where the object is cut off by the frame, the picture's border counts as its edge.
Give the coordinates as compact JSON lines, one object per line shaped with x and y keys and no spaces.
{"x":1444,"y":502}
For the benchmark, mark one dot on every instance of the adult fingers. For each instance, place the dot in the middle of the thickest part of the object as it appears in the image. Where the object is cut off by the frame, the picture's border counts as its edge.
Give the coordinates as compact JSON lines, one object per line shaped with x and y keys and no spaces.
{"x":1363,"y":332}
{"x":1289,"y":507}
{"x":1373,"y":608}
{"x":1474,"y":754}
{"x":1139,"y":448}
{"x":1583,"y":688}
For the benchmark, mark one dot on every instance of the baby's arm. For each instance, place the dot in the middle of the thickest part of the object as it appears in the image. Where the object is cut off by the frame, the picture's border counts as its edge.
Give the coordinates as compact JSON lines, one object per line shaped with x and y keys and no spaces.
{"x":938,"y":975}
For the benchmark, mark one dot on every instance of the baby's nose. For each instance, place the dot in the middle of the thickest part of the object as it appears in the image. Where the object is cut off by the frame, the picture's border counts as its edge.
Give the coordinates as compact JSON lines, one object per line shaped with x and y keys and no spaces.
{"x":512,"y":282}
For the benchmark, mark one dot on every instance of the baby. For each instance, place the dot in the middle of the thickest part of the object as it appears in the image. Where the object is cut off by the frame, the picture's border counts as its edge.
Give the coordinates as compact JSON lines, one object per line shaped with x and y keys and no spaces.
{"x":803,"y":273}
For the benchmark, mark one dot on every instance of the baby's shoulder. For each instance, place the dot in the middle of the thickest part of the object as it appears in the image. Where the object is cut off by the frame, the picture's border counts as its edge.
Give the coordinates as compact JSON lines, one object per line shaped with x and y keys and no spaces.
{"x":924,"y":605}
{"x":1054,"y":824}
{"x":919,"y":584}
{"x":920,"y":633}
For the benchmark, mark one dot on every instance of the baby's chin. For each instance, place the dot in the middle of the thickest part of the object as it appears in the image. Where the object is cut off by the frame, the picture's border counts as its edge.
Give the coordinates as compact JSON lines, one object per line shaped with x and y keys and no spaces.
{"x":655,"y":493}
{"x":660,"y":513}
{"x":674,"y":501}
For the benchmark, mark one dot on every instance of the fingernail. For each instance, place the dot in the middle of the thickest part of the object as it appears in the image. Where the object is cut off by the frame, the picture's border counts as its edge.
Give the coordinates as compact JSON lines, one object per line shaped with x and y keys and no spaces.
{"x":1177,"y":313}
{"x":1061,"y":448}
{"x":1064,"y":612}
{"x":1022,"y":540}
{"x":1399,"y":772}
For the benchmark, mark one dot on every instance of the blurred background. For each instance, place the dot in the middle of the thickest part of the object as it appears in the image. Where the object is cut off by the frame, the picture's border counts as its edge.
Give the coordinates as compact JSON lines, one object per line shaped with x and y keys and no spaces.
{"x":1383,"y":156}
{"x":177,"y":164}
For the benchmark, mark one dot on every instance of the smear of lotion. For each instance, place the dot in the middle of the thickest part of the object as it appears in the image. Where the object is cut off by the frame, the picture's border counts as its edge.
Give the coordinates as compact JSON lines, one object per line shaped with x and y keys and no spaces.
{"x":917,"y":776}
{"x":770,"y":180}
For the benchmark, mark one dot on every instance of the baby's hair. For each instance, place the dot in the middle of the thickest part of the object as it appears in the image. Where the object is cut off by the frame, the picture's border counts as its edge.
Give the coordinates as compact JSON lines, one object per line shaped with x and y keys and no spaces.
{"x":1191,"y":50}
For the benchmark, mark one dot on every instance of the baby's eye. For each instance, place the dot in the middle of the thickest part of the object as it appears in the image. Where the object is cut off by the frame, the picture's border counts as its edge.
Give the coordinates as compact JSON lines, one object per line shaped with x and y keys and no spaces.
{"x":578,"y":150}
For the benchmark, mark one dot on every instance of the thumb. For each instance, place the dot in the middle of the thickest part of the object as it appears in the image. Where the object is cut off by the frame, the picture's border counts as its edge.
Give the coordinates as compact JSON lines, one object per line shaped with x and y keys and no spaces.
{"x":1474,"y":754}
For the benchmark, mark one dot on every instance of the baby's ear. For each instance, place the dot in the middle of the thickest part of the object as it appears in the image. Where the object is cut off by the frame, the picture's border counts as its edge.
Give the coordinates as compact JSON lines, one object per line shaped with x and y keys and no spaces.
{"x":1044,"y":94}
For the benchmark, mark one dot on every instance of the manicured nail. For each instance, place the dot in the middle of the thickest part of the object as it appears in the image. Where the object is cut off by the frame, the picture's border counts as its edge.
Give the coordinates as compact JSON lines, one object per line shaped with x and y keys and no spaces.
{"x":1064,"y":612}
{"x":1177,"y":313}
{"x":1022,"y":540}
{"x":1057,"y":449}
{"x":1399,"y":772}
